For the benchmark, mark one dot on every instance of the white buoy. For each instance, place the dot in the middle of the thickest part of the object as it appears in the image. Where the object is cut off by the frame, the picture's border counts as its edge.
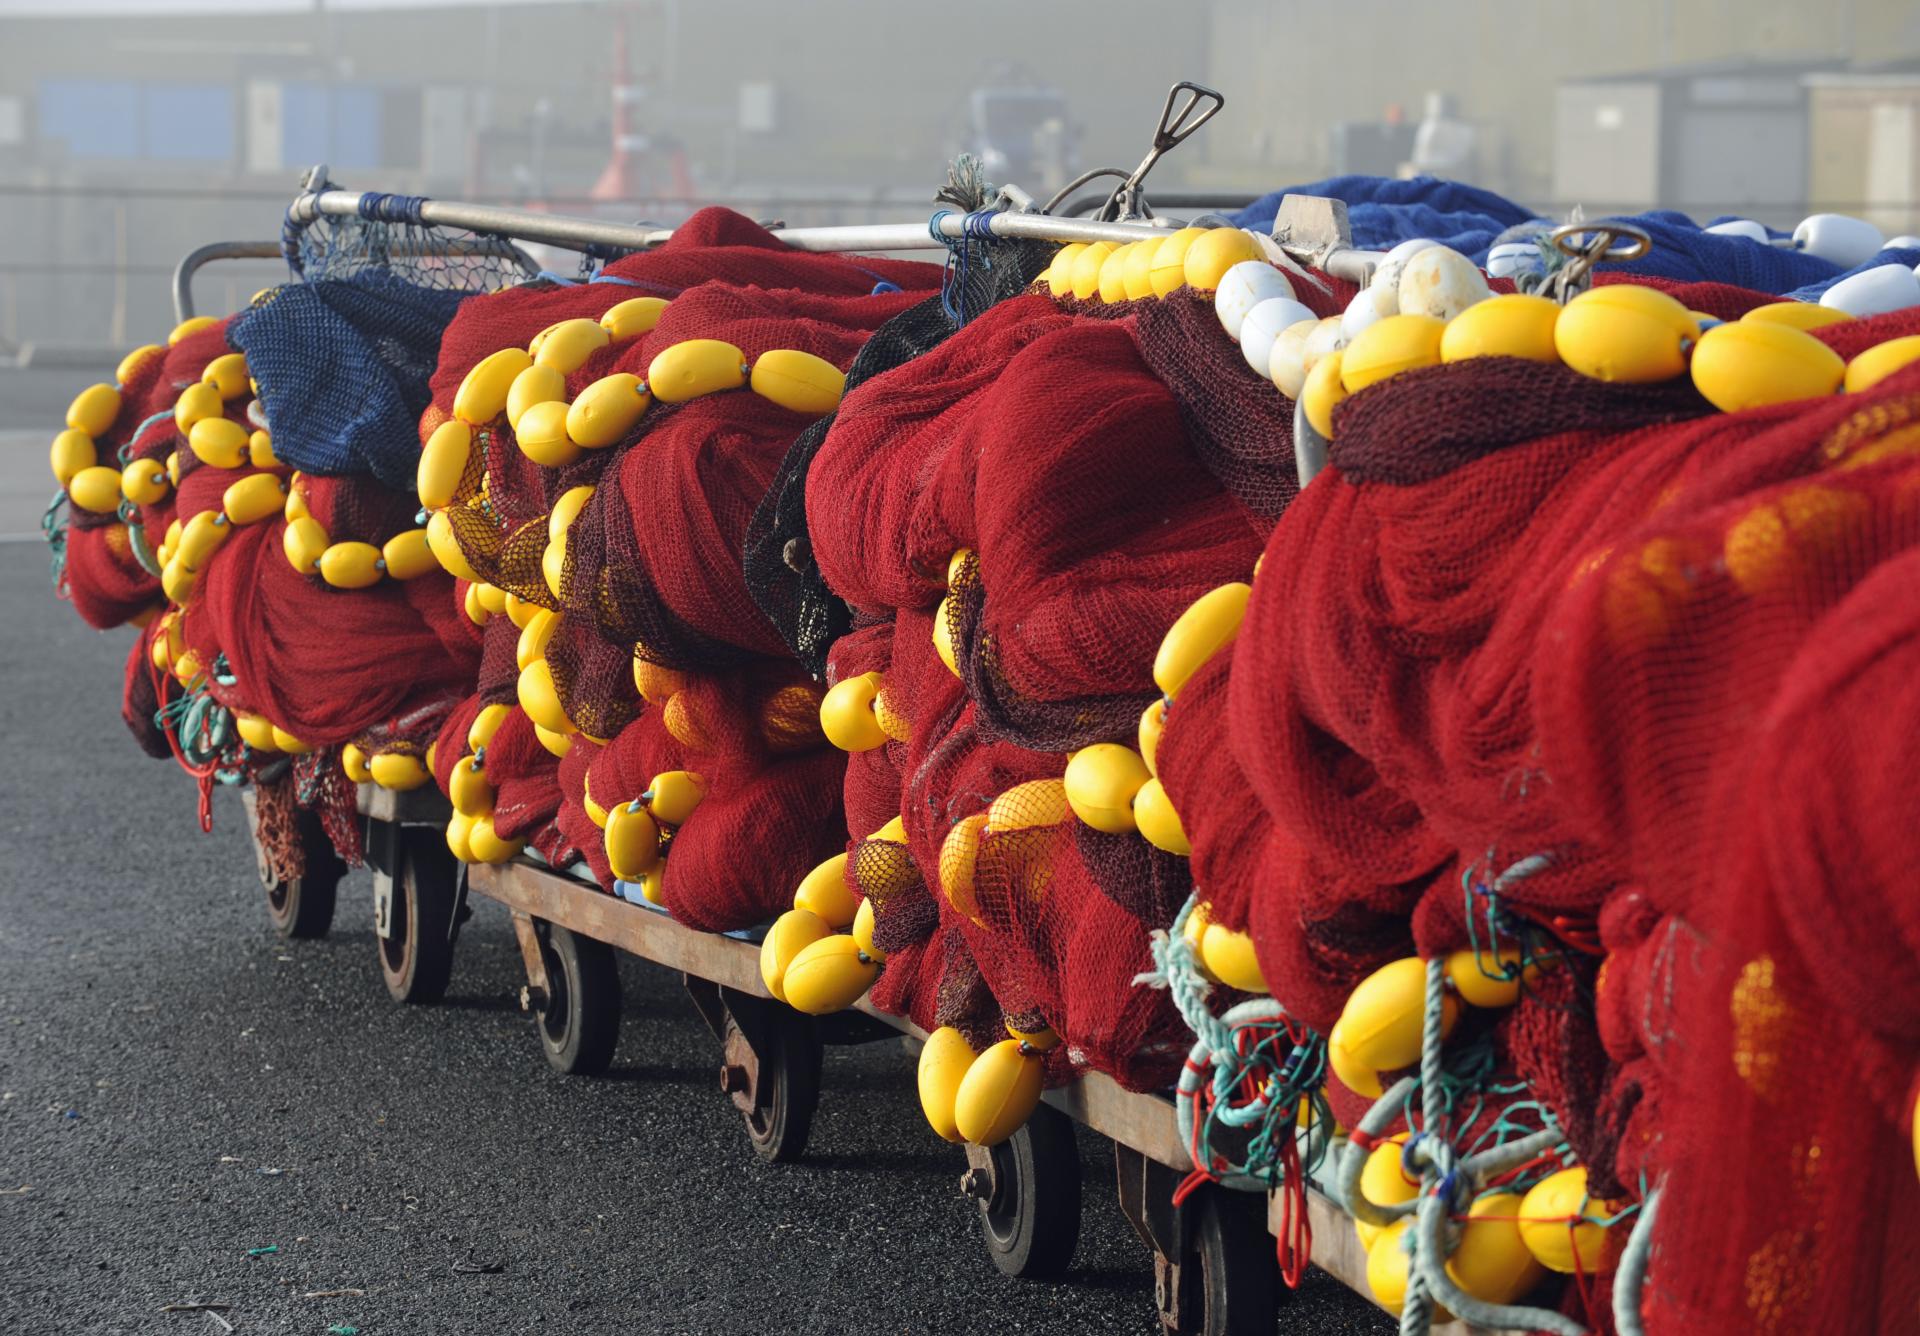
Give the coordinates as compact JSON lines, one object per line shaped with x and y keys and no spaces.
{"x":1386,"y":277}
{"x":1905,"y":241}
{"x":1741,"y":227}
{"x":1515,"y":257}
{"x":1890,"y":287}
{"x":1244,"y":287}
{"x":1839,"y":239}
{"x":1368,"y":305}
{"x":1441,"y":282}
{"x":1265,"y":323}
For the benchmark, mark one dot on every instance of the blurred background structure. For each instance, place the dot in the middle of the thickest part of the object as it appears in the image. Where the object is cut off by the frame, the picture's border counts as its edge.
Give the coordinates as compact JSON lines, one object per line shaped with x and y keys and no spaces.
{"x":134,"y":130}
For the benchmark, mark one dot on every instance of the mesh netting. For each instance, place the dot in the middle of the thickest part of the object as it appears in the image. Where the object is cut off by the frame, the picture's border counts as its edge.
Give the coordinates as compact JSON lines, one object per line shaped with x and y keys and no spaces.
{"x":388,"y":237}
{"x":342,"y":367}
{"x":1728,"y":705}
{"x":1529,"y":614}
{"x":781,"y":572}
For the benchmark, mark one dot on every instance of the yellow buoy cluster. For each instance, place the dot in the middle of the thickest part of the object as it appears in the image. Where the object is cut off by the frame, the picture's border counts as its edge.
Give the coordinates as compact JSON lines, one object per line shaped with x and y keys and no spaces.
{"x":1116,"y":789}
{"x":637,"y":833}
{"x":91,"y":485}
{"x":1380,"y":1028}
{"x":1505,"y":1245}
{"x":471,"y":834}
{"x":819,"y":957}
{"x":309,"y":549}
{"x":986,"y":1097}
{"x":1192,"y":257}
{"x":529,"y":387}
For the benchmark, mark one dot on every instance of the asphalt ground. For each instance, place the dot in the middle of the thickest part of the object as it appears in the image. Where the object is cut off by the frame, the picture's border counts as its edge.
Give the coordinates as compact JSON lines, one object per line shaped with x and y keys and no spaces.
{"x":192,"y":1111}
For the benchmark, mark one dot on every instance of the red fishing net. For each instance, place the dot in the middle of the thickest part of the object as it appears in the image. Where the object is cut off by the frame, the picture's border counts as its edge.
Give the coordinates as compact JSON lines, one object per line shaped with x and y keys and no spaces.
{"x":1526,"y":613}
{"x":1727,"y":705}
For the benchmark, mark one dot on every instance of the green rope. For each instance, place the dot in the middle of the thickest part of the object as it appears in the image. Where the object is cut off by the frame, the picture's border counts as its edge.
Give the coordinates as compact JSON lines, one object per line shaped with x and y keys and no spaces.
{"x":53,"y":528}
{"x":1286,"y":1063}
{"x":137,"y":540}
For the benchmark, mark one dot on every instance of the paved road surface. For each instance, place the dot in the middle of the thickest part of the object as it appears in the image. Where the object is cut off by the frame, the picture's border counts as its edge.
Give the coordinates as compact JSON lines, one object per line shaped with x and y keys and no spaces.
{"x":178,"y":1087}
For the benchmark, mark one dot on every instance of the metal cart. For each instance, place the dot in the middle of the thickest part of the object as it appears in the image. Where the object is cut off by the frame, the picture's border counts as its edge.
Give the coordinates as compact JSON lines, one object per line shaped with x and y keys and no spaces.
{"x":1214,"y":1264}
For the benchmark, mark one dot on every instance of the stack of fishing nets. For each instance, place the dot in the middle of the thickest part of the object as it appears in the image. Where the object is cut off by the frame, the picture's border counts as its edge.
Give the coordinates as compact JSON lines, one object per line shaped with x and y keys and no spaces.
{"x":244,"y":495}
{"x":1534,"y":771}
{"x":1014,"y":517}
{"x":592,"y":458}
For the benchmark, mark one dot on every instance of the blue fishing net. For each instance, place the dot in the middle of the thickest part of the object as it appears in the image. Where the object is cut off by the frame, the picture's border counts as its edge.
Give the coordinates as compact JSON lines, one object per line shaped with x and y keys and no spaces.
{"x":343,"y":367}
{"x":1384,"y":212}
{"x":343,"y":358}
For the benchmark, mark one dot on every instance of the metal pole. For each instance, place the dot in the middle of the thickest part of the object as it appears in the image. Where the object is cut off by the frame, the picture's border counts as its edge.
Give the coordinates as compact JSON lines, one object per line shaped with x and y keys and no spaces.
{"x":191,"y":262}
{"x":562,"y":230}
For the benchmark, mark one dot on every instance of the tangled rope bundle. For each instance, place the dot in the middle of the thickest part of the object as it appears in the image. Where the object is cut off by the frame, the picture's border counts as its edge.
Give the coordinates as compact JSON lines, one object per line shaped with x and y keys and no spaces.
{"x":1249,"y":1074}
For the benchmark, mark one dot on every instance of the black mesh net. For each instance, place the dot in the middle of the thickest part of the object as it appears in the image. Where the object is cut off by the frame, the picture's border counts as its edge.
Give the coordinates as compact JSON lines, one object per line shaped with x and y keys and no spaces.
{"x":781,"y":574}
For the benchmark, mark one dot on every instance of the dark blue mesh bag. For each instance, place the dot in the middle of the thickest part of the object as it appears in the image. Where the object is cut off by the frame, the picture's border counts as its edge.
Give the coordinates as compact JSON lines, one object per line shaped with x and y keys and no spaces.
{"x":343,"y":358}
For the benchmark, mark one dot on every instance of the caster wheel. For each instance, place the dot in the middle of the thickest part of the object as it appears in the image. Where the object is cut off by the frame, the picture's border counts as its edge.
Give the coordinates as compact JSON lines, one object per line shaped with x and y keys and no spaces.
{"x":1029,"y":1192}
{"x":581,"y":1021}
{"x":416,"y":955}
{"x":302,"y":906}
{"x":1239,"y":1281}
{"x":771,"y":1069}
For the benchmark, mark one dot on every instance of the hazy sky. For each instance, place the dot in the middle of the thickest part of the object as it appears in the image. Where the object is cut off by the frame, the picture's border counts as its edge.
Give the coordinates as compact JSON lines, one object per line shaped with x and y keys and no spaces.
{"x":75,"y":8}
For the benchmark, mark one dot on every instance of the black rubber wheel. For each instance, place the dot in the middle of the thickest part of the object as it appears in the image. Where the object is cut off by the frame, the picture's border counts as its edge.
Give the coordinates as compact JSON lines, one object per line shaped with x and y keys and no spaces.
{"x":772,"y":1071}
{"x":1031,"y":1219}
{"x":416,"y":955}
{"x":302,"y":906}
{"x":1239,"y":1273}
{"x":581,"y":1022}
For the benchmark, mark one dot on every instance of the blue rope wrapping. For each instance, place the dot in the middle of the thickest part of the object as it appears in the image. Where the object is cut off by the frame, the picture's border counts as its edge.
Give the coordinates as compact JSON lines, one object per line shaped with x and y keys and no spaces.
{"x":1285,"y":1073}
{"x":604,"y":277}
{"x":291,"y":233}
{"x":377,"y":206}
{"x":977,"y":226}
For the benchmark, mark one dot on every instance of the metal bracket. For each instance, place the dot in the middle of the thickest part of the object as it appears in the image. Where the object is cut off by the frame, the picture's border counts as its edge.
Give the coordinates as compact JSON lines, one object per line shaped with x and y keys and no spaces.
{"x":534,"y":996}
{"x":1146,"y":1190}
{"x":1127,"y":203}
{"x":1314,"y":230}
{"x":1309,"y":447}
{"x":383,"y":858}
{"x":1572,"y":240}
{"x":1173,"y":130}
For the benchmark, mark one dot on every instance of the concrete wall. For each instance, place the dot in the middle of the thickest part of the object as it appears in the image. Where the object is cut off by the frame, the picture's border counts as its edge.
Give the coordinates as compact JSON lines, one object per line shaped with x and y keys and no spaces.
{"x":1866,"y":149}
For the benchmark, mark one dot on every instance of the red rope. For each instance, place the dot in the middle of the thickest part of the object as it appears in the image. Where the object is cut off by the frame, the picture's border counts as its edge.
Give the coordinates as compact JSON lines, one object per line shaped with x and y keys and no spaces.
{"x":1294,"y":1244}
{"x":202,"y":774}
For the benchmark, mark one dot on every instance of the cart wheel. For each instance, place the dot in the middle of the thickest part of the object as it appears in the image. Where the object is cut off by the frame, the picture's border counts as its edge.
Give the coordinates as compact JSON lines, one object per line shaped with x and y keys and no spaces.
{"x":302,"y":906}
{"x":1239,"y":1274}
{"x":416,"y":955}
{"x":581,"y":1020}
{"x":1029,"y":1192}
{"x":771,"y":1069}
